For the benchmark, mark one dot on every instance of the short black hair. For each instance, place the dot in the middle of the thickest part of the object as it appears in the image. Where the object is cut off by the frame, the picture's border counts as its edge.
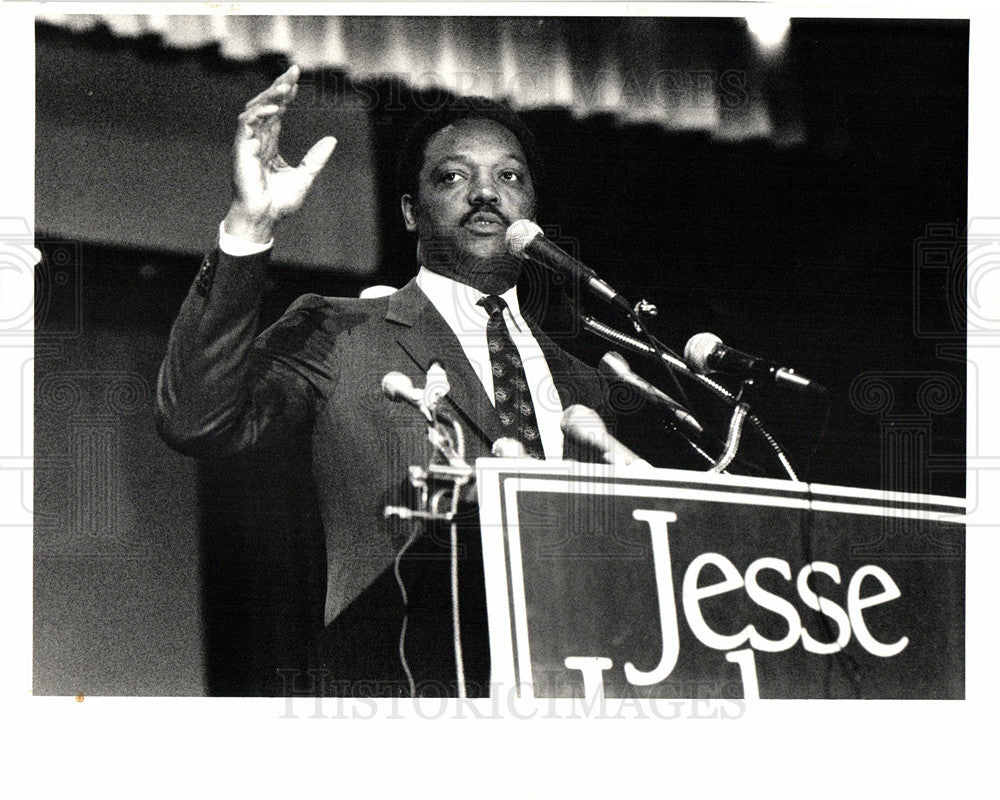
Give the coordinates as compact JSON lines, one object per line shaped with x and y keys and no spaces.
{"x":411,"y":156}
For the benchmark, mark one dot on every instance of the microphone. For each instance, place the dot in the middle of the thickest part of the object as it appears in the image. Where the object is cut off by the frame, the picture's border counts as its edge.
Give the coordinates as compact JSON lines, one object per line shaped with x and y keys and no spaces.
{"x":705,"y":352}
{"x":614,"y":366}
{"x":506,"y":447}
{"x":584,"y":425}
{"x":437,"y":386}
{"x":526,"y":240}
{"x":400,"y":389}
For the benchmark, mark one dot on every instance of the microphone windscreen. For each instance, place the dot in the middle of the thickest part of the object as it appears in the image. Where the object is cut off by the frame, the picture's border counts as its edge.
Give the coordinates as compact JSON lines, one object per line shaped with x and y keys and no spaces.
{"x":397,"y":386}
{"x":697,"y":350}
{"x":585,"y":424}
{"x":519,"y":234}
{"x":437,"y":384}
{"x":506,"y":447}
{"x":613,"y":365}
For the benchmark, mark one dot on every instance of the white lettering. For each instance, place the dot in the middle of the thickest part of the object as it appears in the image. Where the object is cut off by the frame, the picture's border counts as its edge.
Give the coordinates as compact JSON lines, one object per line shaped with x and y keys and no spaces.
{"x":657,"y":521}
{"x":856,"y":604}
{"x":773,"y":603}
{"x":691,"y":594}
{"x":592,"y":668}
{"x":824,"y":606}
{"x":745,"y":660}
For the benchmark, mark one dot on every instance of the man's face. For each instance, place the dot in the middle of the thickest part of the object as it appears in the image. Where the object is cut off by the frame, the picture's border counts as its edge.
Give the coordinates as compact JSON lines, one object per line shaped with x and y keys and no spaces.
{"x":473,"y":183}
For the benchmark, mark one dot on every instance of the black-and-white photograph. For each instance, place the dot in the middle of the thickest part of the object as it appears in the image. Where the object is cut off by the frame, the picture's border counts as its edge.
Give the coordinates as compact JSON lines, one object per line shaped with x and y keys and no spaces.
{"x":604,"y":362}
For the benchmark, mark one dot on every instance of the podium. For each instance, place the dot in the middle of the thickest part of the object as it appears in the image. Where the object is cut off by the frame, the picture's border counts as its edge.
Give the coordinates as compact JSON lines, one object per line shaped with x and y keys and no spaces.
{"x":648,"y":583}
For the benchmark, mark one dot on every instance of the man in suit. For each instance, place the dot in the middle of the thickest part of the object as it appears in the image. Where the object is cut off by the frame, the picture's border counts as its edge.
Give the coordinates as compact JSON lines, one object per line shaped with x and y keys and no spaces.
{"x":311,"y":382}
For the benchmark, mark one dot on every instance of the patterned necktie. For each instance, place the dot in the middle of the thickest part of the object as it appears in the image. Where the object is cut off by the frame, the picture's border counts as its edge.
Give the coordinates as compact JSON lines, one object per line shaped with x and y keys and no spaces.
{"x":510,"y":386}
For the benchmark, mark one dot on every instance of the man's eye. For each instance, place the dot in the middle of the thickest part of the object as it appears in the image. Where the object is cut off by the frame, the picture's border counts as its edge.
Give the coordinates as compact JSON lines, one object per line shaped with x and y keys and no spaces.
{"x":510,"y":176}
{"x":450,"y":177}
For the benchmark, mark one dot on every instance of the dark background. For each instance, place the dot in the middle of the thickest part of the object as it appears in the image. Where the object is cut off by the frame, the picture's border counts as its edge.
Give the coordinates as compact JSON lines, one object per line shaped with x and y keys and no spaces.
{"x":839,"y":255}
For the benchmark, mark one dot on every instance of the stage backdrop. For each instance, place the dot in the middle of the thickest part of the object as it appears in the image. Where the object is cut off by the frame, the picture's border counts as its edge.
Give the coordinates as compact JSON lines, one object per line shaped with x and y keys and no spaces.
{"x":131,"y":153}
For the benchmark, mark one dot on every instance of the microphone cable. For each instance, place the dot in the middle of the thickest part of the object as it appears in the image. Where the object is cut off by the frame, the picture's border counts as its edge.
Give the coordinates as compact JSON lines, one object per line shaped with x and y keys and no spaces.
{"x":667,"y":357}
{"x":456,"y":628}
{"x":455,"y":610}
{"x":417,"y":529}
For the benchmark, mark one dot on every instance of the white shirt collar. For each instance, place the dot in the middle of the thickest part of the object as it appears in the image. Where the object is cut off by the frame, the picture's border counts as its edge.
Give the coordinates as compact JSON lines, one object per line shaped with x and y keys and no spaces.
{"x":457,"y":302}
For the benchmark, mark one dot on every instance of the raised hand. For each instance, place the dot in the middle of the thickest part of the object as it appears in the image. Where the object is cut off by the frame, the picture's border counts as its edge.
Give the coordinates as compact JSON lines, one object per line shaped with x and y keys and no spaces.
{"x":265,"y":187}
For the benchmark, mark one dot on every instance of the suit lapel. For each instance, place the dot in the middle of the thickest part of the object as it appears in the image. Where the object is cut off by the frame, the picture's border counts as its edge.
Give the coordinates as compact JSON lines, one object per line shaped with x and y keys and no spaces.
{"x":426,"y":337}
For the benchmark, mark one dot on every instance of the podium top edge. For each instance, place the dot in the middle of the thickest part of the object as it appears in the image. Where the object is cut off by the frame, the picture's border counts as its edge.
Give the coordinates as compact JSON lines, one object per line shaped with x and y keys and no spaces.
{"x":555,"y":468}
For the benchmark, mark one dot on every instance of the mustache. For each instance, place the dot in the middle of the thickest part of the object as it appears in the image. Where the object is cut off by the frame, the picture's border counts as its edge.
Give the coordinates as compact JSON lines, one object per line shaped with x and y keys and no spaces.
{"x":486,"y":208}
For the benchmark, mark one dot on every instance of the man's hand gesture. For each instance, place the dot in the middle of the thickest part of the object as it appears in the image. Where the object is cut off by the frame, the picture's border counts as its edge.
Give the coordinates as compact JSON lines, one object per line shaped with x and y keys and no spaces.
{"x":265,"y":187}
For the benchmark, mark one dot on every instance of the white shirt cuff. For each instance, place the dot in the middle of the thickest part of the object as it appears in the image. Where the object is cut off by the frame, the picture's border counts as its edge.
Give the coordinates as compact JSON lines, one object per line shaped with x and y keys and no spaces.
{"x":235,"y":246}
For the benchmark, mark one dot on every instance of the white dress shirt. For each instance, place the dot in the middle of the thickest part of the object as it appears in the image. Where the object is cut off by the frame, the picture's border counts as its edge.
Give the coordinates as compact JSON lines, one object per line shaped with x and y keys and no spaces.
{"x":235,"y":246}
{"x":456,"y":302}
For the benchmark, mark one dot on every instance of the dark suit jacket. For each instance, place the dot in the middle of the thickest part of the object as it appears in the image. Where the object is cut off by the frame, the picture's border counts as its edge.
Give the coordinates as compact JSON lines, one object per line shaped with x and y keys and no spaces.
{"x":314,"y":378}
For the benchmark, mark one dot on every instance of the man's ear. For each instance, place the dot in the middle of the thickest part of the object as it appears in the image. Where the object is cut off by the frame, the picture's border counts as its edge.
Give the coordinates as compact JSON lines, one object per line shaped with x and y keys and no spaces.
{"x":409,"y":207}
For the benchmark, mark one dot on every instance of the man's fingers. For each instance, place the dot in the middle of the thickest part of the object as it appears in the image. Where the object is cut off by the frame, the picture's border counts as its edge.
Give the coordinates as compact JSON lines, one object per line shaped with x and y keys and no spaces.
{"x":283,"y":87}
{"x":253,"y":116}
{"x":313,"y":161}
{"x":272,"y":94}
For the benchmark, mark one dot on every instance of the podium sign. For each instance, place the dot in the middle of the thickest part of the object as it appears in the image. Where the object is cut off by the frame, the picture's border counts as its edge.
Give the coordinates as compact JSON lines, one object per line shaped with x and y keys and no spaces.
{"x":654,"y":583}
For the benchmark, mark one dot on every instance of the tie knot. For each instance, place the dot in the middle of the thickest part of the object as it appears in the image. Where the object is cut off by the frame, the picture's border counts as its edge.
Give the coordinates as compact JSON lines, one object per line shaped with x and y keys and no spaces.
{"x":493,"y":304}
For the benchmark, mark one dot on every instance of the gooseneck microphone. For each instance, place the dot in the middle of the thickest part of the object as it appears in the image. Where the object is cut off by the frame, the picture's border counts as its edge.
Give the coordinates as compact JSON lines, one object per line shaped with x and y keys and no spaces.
{"x":526,"y":240}
{"x":705,"y":353}
{"x":614,"y":366}
{"x":585,"y":425}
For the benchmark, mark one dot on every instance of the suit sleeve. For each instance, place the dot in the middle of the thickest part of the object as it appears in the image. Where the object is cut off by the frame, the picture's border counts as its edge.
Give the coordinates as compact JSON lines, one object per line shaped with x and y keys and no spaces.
{"x":222,"y":389}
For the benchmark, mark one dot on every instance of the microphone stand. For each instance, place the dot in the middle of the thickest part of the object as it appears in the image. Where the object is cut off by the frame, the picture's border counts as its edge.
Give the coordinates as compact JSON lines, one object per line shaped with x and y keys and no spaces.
{"x":740,"y":411}
{"x":658,"y":351}
{"x":519,"y":236}
{"x":447,"y":466}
